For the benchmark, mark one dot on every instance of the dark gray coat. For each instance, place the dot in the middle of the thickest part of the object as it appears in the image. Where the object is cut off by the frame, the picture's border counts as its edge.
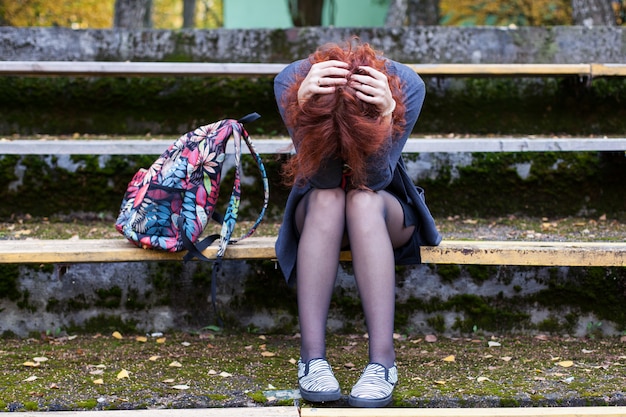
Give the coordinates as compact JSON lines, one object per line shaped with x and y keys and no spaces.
{"x":391,"y":176}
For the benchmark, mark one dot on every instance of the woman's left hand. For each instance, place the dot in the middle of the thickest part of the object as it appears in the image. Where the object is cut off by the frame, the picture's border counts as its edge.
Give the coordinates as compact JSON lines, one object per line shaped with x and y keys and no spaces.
{"x":372,"y":86}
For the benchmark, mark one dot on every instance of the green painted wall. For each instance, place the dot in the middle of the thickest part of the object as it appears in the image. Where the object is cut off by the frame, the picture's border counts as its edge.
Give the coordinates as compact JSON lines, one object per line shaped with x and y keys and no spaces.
{"x":249,"y":14}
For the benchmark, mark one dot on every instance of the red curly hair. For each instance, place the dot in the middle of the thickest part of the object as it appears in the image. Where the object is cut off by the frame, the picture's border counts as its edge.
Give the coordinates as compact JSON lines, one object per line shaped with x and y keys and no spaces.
{"x":339,"y":124}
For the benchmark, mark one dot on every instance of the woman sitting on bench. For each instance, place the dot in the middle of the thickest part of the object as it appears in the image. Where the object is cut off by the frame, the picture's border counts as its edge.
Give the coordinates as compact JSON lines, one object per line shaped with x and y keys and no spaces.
{"x":349,"y":112}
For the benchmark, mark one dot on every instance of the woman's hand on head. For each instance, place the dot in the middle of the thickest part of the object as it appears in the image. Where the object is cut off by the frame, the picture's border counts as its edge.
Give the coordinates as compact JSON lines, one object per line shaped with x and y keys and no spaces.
{"x":322,"y":78}
{"x":372,"y":86}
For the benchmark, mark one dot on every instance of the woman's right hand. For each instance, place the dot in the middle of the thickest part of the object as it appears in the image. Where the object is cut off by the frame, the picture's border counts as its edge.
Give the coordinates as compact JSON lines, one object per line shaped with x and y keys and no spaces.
{"x":323,"y":78}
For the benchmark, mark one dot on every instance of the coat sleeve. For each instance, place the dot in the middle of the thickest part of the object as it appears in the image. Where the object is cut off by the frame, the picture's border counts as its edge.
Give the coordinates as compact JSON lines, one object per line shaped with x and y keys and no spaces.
{"x":414,"y":92}
{"x":329,"y":175}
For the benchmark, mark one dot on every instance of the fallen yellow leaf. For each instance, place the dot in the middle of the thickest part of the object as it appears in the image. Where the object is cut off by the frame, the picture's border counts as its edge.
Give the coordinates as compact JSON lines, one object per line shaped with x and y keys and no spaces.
{"x":154,"y":358}
{"x":168,"y":381}
{"x":123,"y":374}
{"x":161,"y":340}
{"x":98,"y":381}
{"x":176,"y":364}
{"x":141,"y":339}
{"x":267,"y":354}
{"x":440,"y":382}
{"x":31,"y":364}
{"x":117,"y":335}
{"x":565,"y":364}
{"x":450,"y":358}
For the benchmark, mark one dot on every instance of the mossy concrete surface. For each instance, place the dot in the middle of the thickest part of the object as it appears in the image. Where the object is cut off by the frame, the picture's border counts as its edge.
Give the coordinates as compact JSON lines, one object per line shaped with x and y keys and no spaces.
{"x":211,"y":368}
{"x":252,"y":296}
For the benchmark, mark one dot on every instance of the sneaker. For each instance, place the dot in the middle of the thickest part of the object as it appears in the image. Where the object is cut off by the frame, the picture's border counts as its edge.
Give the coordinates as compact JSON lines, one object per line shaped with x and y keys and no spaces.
{"x":374,"y":387}
{"x":317,"y":382}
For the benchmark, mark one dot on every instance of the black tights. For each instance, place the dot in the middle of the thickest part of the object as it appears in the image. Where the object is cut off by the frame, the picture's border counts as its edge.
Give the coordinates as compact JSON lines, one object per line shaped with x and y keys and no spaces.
{"x":374,"y":225}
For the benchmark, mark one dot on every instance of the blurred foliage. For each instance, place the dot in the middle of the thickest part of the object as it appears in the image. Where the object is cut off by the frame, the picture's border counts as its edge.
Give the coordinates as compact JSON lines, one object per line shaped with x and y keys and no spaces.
{"x":505,"y":12}
{"x":98,"y":14}
{"x":515,"y":12}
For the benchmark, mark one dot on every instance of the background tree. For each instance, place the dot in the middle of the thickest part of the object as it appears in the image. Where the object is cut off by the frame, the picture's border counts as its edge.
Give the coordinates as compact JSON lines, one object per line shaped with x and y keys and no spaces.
{"x":306,"y":12}
{"x":132,"y":14}
{"x":189,"y":13}
{"x":506,"y":12}
{"x":396,"y":13}
{"x":79,"y":14}
{"x":595,"y":12}
{"x":423,"y":12}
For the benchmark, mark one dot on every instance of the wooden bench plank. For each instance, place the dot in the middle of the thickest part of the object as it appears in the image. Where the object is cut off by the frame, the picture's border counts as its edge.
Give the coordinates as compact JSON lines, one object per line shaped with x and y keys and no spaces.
{"x":261,"y":248}
{"x":283,"y":145}
{"x":161,"y":69}
{"x":502,"y":70}
{"x":134,"y":69}
{"x":608,"y":70}
{"x":466,"y":412}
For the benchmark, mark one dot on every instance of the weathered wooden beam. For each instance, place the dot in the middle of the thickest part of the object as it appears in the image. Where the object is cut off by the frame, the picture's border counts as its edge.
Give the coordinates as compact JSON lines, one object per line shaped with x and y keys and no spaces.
{"x":502,"y":70}
{"x":283,"y":145}
{"x":261,"y":248}
{"x":165,"y":69}
{"x":136,"y":69}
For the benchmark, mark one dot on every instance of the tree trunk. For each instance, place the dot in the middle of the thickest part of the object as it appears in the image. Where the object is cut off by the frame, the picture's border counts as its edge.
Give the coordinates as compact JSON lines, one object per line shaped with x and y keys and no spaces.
{"x":396,"y":13}
{"x":423,"y":12}
{"x":147,"y":19}
{"x":593,"y":12}
{"x":189,"y":14}
{"x":131,"y":14}
{"x":306,"y":12}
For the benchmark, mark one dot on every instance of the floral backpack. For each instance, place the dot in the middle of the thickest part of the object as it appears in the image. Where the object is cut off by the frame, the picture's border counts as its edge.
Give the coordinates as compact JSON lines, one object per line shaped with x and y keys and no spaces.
{"x":168,"y":206}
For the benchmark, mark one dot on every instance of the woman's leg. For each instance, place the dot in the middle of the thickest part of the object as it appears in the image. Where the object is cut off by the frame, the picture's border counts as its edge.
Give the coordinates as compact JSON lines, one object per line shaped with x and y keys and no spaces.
{"x":320,"y":218}
{"x":375,"y":224}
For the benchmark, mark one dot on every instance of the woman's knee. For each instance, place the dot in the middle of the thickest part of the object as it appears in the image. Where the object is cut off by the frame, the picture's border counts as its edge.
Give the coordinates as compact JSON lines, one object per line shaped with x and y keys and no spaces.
{"x":327,"y":200}
{"x":359,"y":202}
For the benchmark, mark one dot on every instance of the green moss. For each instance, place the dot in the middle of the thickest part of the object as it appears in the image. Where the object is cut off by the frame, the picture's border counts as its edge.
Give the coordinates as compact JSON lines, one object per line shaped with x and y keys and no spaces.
{"x":481,"y":273}
{"x":438,"y":323}
{"x":87,"y":404}
{"x":24,"y":304}
{"x":491,"y":314}
{"x":31,"y":406}
{"x":558,"y":184}
{"x":109,"y":297}
{"x":550,"y":325}
{"x":9,"y":276}
{"x":218,"y":397}
{"x":448,"y":272}
{"x":589,"y":290}
{"x":258,"y":397}
{"x":104,"y":324}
